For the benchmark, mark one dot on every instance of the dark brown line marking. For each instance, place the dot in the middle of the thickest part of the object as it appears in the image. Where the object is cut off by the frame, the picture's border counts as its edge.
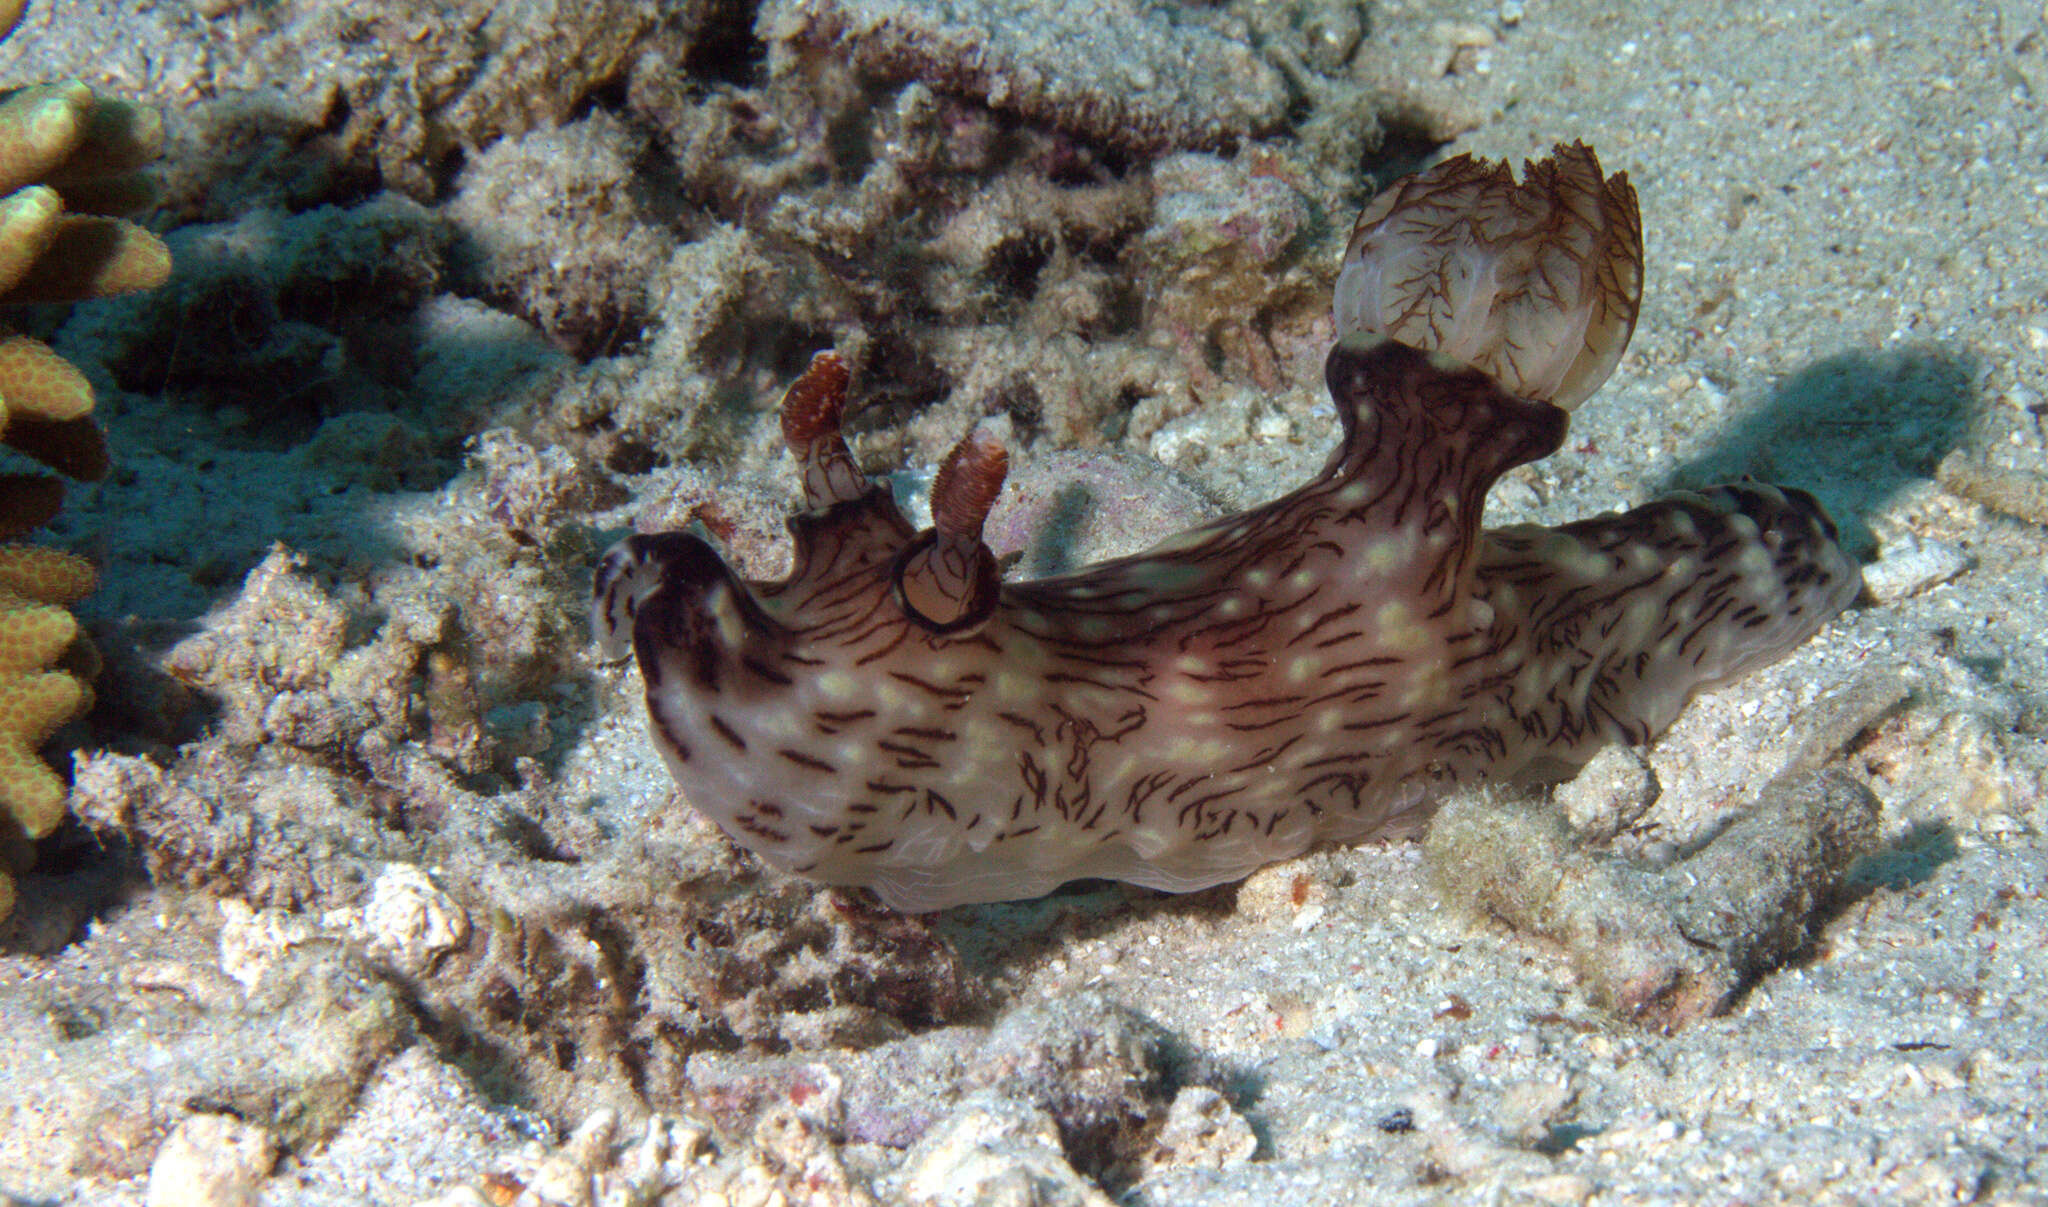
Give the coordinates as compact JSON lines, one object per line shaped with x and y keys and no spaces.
{"x":668,"y":735}
{"x":937,"y":689}
{"x":726,"y":731}
{"x":766,"y":672}
{"x":1365,"y":726}
{"x":844,"y":718}
{"x":804,"y":760}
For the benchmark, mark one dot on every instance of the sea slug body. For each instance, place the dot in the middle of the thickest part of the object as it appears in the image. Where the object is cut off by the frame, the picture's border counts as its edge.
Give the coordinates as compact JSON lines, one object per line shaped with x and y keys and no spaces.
{"x":1318,"y":669}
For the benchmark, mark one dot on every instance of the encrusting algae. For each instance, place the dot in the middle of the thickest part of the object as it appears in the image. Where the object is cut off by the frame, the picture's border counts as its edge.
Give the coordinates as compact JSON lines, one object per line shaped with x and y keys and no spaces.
{"x":68,"y":161}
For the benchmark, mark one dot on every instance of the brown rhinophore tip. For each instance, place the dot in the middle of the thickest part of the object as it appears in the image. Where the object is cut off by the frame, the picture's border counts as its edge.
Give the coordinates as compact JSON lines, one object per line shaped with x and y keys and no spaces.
{"x":812,"y":409}
{"x":814,"y":403}
{"x":946,"y":579}
{"x":967,"y":485}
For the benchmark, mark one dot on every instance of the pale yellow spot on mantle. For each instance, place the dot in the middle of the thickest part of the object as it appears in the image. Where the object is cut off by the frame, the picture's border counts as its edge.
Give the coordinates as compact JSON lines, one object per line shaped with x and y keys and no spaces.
{"x":1397,"y":627}
{"x":1013,"y":686}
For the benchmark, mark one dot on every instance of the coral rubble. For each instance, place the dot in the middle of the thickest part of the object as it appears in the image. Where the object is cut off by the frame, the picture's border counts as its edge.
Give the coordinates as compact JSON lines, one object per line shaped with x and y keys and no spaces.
{"x":1666,"y":946}
{"x":1112,"y":70}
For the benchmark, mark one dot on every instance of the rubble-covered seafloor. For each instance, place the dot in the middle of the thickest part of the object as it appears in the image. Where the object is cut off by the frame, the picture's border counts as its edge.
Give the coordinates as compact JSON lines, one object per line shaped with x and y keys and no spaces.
{"x":377,"y":891}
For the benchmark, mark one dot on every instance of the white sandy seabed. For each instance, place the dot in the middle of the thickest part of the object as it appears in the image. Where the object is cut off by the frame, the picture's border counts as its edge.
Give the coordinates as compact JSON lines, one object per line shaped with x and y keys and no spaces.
{"x":1847,"y":218}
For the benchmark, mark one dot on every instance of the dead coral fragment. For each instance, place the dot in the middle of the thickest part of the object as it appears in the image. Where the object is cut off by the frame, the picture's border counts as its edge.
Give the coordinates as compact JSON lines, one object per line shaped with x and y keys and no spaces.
{"x":553,"y":227}
{"x":1664,"y":946}
{"x":211,"y":1159}
{"x":397,"y":88}
{"x":281,"y":661}
{"x":1110,"y":70}
{"x":2020,"y":493}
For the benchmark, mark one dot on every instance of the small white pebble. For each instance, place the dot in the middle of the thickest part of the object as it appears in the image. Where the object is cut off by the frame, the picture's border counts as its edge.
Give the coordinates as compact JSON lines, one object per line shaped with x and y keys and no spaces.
{"x":1464,"y":34}
{"x":210,"y":1161}
{"x":1273,"y":425}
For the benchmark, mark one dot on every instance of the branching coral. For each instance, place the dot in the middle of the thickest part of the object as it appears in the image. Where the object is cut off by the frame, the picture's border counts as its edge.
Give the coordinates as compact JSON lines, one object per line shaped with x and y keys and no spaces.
{"x":35,"y":630}
{"x":67,"y":160}
{"x":1322,"y":668}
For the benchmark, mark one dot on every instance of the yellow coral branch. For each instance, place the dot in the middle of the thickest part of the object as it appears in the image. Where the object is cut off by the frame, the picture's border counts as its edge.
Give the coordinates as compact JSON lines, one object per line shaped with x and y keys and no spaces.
{"x":32,"y":707}
{"x":40,"y":126}
{"x":46,"y":575}
{"x":92,"y":257}
{"x":37,"y":382}
{"x":28,"y":221}
{"x":68,"y":159}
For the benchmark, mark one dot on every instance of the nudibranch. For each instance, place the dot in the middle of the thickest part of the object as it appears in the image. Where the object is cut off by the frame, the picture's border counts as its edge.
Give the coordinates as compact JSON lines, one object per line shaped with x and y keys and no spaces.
{"x":1316,"y":670}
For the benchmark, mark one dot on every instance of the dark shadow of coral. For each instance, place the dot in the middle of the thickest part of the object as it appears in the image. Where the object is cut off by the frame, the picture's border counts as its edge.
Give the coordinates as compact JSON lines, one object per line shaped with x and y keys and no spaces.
{"x":1853,"y":429}
{"x":80,"y":879}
